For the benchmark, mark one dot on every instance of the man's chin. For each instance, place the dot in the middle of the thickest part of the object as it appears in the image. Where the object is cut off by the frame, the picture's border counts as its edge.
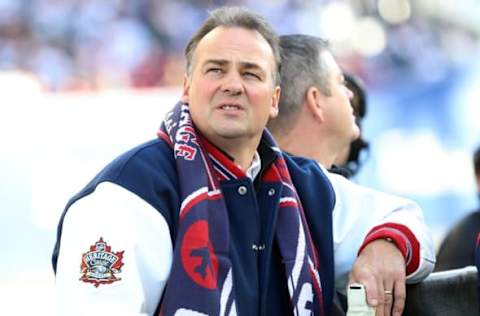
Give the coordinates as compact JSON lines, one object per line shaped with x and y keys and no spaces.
{"x":230,"y":133}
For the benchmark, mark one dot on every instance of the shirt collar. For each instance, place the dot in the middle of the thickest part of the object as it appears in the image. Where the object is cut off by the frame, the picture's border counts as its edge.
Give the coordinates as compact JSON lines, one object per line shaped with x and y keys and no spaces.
{"x":255,"y":167}
{"x":226,"y":169}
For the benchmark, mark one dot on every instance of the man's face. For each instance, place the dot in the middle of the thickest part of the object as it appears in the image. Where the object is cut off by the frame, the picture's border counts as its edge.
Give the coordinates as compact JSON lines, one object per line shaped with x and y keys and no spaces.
{"x":339,"y":113}
{"x":231,"y":91}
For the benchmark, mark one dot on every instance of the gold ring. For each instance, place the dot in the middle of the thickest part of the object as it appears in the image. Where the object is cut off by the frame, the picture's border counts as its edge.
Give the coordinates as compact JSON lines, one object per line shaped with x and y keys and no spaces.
{"x":387,"y":292}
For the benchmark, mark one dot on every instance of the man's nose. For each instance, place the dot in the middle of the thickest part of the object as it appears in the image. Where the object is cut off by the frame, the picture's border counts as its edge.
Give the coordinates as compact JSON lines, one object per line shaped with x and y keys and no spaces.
{"x":232,"y":84}
{"x":349,"y":94}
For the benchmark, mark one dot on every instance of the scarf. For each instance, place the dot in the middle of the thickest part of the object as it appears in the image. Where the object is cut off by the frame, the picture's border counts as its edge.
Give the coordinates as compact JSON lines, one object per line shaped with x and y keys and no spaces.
{"x":201,"y":278}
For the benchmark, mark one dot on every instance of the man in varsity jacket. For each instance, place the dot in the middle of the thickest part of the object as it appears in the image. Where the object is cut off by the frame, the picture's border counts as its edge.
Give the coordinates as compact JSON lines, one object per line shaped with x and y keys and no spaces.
{"x":316,"y":120}
{"x":210,"y":218}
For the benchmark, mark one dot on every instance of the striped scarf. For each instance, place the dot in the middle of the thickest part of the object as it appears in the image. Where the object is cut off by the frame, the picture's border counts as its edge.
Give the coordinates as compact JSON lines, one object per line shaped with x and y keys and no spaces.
{"x":201,"y":278}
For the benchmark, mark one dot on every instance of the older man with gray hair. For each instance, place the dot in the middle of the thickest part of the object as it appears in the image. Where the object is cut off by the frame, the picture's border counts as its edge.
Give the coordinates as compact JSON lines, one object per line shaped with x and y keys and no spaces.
{"x":316,"y":120}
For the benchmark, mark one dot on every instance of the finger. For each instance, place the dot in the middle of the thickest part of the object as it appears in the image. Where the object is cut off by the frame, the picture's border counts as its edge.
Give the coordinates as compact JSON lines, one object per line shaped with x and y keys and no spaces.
{"x":388,"y":297}
{"x":380,"y":310}
{"x":388,"y":302}
{"x":371,"y":289}
{"x":400,"y":295}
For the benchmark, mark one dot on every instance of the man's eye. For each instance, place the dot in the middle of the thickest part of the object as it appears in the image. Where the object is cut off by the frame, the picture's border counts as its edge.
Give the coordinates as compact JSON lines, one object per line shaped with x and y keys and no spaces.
{"x":251,"y":74}
{"x":214,"y":70}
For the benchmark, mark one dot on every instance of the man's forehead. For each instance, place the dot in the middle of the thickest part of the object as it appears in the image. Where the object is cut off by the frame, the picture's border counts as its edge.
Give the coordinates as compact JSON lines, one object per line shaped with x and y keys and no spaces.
{"x":224,"y":33}
{"x":226,"y":43}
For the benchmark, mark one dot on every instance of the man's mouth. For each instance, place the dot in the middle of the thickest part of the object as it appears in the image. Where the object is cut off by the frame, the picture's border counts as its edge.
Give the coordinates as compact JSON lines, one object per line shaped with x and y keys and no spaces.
{"x":229,"y":107}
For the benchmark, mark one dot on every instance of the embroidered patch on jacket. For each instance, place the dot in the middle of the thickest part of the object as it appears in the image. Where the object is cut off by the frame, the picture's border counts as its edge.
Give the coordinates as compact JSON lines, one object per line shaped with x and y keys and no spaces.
{"x":100,"y":265}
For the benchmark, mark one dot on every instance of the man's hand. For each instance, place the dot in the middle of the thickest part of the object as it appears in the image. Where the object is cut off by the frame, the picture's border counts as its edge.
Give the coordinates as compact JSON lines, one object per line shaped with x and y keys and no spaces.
{"x":380,"y":267}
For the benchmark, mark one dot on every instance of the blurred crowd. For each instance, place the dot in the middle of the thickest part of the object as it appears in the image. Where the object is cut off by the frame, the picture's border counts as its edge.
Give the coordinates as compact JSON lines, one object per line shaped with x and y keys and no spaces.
{"x":91,"y":44}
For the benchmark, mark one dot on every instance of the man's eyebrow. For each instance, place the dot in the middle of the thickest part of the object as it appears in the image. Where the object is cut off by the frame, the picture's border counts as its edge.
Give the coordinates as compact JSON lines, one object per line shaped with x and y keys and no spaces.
{"x":243,"y":64}
{"x":250,"y":65}
{"x":222,"y":62}
{"x":219,"y":62}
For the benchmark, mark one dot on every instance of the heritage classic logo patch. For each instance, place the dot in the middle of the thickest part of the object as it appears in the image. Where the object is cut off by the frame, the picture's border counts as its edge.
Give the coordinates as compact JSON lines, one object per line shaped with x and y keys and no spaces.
{"x":100,"y":265}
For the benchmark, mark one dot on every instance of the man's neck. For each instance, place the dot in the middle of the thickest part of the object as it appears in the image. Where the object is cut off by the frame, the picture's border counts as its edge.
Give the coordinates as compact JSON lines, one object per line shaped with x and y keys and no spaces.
{"x":241,"y":151}
{"x":314,"y":145}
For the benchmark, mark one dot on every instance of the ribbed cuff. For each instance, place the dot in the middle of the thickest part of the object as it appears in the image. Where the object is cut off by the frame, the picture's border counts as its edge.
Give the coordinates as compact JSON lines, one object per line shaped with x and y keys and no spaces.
{"x":402,"y":237}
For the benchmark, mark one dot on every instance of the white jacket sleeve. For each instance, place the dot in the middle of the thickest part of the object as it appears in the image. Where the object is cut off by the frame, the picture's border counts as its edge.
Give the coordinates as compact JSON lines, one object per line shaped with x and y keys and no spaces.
{"x":359,"y":209}
{"x":125,"y":223}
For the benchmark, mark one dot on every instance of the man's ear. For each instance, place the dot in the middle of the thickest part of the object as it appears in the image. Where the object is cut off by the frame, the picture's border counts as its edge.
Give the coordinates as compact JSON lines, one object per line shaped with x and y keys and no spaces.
{"x":275,"y":100}
{"x":186,"y":89}
{"x":314,"y":103}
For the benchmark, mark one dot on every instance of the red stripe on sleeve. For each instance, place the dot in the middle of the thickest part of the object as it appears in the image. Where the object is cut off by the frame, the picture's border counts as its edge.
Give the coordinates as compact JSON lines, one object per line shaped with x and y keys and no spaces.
{"x":402,"y":237}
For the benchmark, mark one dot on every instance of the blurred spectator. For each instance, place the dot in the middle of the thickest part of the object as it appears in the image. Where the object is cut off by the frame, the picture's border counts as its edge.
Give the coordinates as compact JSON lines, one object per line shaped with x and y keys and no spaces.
{"x":458,"y":248}
{"x":349,"y":161}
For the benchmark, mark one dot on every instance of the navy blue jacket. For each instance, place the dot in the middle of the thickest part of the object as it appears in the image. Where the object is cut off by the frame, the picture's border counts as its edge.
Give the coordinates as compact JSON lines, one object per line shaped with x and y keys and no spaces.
{"x":149,"y":171}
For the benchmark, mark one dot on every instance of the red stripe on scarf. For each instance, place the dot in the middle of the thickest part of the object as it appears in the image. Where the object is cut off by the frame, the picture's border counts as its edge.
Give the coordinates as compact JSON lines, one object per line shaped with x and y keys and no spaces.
{"x":161,"y":134}
{"x":318,"y":291}
{"x":288,"y":204}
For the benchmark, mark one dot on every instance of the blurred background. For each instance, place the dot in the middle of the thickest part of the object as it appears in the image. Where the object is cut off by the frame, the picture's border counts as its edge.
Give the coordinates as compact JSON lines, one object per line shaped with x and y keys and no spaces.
{"x":83,"y":80}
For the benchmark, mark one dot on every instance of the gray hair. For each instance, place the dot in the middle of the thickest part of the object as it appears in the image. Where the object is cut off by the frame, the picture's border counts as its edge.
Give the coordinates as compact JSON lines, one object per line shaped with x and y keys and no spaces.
{"x":236,"y":17}
{"x":302,"y":68}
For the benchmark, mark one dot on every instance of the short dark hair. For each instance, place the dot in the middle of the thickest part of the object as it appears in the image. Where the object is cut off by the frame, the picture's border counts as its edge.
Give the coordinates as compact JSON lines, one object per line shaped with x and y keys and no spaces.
{"x":302,"y":68}
{"x":476,"y":161}
{"x":236,"y":17}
